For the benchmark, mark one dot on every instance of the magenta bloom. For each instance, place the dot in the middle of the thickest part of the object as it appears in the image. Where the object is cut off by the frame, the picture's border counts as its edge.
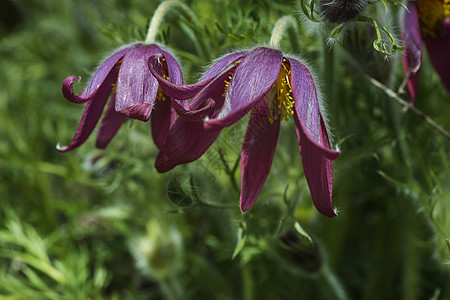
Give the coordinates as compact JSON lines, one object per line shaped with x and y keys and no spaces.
{"x":427,"y":21}
{"x":273,"y":87}
{"x":135,"y":93}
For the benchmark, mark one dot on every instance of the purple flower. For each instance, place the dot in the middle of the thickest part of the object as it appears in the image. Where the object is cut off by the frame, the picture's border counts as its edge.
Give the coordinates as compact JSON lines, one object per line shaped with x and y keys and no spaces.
{"x":135,"y":93}
{"x":274,"y":88}
{"x":427,"y":21}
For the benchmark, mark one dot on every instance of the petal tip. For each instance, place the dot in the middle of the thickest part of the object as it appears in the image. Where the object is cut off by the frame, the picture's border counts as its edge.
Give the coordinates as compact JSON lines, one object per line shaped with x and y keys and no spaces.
{"x":245,"y":207}
{"x":140,"y":111}
{"x":61,"y":148}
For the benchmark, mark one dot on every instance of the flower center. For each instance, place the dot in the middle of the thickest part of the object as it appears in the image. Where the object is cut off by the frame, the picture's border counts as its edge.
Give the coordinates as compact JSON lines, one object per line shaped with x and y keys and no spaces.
{"x":431,"y":13}
{"x":117,"y":67}
{"x":282,"y":104}
{"x":160,"y":96}
{"x":227,"y":83}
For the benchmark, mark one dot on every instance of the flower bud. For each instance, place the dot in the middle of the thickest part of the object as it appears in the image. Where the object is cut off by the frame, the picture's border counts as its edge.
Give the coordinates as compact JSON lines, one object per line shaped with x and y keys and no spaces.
{"x":340,"y":11}
{"x":158,"y":252}
{"x":300,"y":252}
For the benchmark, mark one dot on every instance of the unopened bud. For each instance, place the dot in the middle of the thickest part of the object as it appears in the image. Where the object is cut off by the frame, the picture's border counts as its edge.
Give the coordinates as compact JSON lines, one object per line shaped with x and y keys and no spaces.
{"x":300,"y":252}
{"x":340,"y":11}
{"x":157,"y":252}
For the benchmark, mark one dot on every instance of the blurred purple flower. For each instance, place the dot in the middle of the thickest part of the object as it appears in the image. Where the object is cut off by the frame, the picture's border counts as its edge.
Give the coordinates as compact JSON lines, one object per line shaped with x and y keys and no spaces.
{"x":427,"y":21}
{"x":273,"y":87}
{"x":135,"y":93}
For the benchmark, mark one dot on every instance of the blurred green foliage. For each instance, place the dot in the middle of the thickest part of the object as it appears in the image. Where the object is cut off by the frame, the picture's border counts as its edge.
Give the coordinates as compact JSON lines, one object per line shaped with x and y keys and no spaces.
{"x":94,"y":224}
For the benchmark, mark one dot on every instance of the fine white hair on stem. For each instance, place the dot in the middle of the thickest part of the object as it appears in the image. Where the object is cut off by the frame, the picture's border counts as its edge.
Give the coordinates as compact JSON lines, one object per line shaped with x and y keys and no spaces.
{"x":160,"y":13}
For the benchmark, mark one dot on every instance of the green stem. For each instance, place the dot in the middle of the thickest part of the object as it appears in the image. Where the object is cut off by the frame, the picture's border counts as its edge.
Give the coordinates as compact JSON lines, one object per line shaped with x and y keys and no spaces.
{"x":247,"y":282}
{"x":279,"y":29}
{"x":159,"y":15}
{"x":161,"y":12}
{"x":334,"y":283}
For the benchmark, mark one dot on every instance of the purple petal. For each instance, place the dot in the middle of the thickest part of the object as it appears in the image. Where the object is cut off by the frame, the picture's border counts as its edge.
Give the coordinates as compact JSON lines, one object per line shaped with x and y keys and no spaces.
{"x":214,"y":90}
{"x":222,"y":64}
{"x":102,"y":78}
{"x":136,"y":87}
{"x":312,"y":138}
{"x":412,"y":56}
{"x":257,"y":154}
{"x":317,"y":167}
{"x":175,"y":73}
{"x":111,"y":123}
{"x":163,"y":117}
{"x":91,"y":115}
{"x":197,"y":114}
{"x":184,"y":92}
{"x":439,"y":52}
{"x":254,"y":77}
{"x":307,"y":106}
{"x":186,"y":142}
{"x":173,"y":90}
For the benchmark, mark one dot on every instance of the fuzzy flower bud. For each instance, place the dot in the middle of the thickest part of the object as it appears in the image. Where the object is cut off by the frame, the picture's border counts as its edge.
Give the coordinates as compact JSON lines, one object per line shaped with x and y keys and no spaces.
{"x":340,"y":11}
{"x":157,"y":253}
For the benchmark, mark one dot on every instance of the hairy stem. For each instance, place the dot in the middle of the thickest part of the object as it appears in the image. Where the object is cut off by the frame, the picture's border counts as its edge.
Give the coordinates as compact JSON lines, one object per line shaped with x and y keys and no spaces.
{"x":280,"y":28}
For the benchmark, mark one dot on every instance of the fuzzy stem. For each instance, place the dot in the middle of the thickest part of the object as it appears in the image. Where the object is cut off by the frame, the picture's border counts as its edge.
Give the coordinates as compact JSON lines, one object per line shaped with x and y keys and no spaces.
{"x":159,"y":14}
{"x":279,"y":29}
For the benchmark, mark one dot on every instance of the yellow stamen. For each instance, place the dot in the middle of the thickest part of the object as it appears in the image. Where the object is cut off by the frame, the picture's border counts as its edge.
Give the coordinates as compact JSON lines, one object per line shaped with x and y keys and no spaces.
{"x":117,"y":67}
{"x":160,"y":96}
{"x":230,"y":74}
{"x":431,"y":14}
{"x":227,"y":83}
{"x":118,"y":63}
{"x":282,"y":104}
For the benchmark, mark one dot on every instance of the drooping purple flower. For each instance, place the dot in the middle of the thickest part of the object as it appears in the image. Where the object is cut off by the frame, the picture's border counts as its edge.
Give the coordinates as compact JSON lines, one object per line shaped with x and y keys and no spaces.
{"x":125,"y":78}
{"x":429,"y":22}
{"x":273,"y":87}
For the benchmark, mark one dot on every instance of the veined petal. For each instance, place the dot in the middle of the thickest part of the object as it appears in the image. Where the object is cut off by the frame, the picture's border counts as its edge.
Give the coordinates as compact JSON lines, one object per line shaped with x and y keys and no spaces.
{"x":186,"y":142}
{"x":91,"y":115}
{"x":197,"y":114}
{"x":317,"y":167}
{"x":175,"y":73}
{"x":222,"y":64}
{"x":439,"y":52}
{"x":312,"y":138}
{"x":175,"y":76}
{"x":214,"y":90}
{"x":111,"y":123}
{"x":162,"y":120}
{"x":187,"y":139}
{"x":257,"y":154}
{"x":105,"y":75}
{"x":136,"y":87}
{"x":173,"y":90}
{"x":412,"y":56}
{"x":253,"y":78}
{"x":185,"y":92}
{"x":307,"y":109}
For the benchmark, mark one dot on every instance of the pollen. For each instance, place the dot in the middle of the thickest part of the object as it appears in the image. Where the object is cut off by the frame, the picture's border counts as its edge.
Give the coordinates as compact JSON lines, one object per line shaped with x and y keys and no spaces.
{"x":227,"y":83}
{"x":117,"y":67}
{"x":282,"y":104}
{"x":118,"y":63}
{"x":160,"y":95}
{"x":431,"y":14}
